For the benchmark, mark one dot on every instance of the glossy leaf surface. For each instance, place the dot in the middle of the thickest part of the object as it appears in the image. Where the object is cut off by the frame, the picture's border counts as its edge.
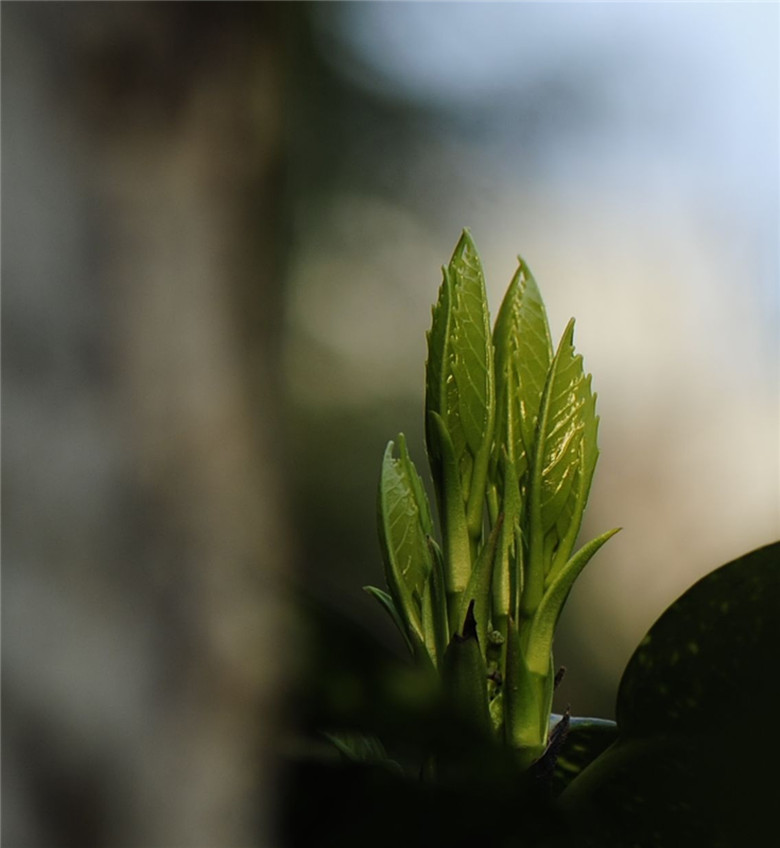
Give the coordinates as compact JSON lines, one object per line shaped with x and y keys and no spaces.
{"x":459,"y":372}
{"x":523,"y":354}
{"x":471,"y":345}
{"x":560,"y":462}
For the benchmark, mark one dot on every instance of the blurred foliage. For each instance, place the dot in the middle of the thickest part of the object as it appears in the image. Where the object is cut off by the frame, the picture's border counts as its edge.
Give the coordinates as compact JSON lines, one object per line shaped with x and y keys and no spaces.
{"x":694,"y":760}
{"x":691,"y":761}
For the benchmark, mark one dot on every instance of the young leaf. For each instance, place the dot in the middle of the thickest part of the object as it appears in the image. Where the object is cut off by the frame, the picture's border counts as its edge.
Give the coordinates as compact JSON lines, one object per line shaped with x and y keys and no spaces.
{"x":570,"y":520}
{"x":459,"y":375}
{"x":465,"y":677}
{"x":418,"y":490}
{"x":477,"y":596}
{"x":523,"y":354}
{"x":438,"y":369}
{"x":566,"y":413}
{"x":472,"y":352}
{"x":434,"y":608}
{"x":457,"y":547}
{"x":505,"y":574}
{"x":403,"y":524}
{"x":540,"y":631}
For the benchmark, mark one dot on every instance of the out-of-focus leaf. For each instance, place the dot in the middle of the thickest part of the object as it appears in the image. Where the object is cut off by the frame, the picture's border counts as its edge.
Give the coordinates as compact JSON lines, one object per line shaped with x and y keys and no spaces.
{"x":362,"y":748}
{"x":695,"y":760}
{"x":403,"y":522}
{"x":523,"y":354}
{"x":587,"y":738}
{"x":676,"y":789}
{"x":711,"y":663}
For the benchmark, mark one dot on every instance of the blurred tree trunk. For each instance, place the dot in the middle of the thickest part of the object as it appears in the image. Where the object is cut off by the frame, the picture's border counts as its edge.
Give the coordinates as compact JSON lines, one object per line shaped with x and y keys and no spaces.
{"x":144,"y":504}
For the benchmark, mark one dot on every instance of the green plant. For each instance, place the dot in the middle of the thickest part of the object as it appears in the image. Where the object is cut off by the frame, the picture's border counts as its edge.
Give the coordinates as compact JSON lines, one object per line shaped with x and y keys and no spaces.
{"x":510,"y":433}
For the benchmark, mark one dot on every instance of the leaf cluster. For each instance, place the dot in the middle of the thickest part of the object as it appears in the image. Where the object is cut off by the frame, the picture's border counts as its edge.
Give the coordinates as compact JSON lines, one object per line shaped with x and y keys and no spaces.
{"x":511,"y":441}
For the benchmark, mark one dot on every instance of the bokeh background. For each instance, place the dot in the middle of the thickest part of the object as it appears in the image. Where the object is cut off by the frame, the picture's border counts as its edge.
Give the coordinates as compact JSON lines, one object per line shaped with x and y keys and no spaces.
{"x":222,"y":232}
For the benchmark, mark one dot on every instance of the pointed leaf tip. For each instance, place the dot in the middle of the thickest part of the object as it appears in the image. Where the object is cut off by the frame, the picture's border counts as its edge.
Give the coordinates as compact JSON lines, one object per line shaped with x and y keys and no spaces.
{"x":470,"y":624}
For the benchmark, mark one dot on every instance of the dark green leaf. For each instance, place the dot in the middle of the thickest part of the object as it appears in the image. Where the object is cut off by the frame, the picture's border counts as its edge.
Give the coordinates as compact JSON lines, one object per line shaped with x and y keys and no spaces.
{"x":675,"y":789}
{"x":464,"y":676}
{"x":710,"y":663}
{"x":695,"y":761}
{"x":362,"y":748}
{"x":586,"y":739}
